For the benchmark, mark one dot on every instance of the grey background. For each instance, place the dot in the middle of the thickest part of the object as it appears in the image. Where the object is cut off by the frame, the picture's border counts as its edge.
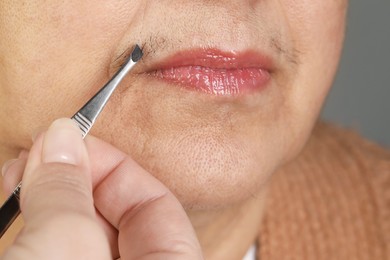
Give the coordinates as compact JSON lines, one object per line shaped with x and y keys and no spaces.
{"x":360,"y":97}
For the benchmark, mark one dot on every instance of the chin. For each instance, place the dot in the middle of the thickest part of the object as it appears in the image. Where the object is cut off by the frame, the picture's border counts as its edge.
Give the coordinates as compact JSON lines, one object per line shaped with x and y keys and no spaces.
{"x":210,"y":171}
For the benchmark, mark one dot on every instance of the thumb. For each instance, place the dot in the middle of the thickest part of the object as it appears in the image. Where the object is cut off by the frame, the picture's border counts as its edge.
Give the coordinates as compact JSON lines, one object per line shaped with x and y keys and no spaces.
{"x":57,"y":165}
{"x":56,"y":197}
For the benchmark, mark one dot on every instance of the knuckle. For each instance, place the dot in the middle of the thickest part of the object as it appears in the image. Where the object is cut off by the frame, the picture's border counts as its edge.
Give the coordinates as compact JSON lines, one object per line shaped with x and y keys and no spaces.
{"x":55,"y":178}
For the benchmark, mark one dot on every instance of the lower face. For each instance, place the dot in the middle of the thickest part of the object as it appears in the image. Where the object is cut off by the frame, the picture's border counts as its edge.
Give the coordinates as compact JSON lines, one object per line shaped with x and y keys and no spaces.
{"x":226,"y":93}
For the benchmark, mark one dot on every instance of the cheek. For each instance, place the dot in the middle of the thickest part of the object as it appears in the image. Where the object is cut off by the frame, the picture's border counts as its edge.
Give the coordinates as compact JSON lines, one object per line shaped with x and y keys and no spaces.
{"x":317,"y":29}
{"x":54,"y":47}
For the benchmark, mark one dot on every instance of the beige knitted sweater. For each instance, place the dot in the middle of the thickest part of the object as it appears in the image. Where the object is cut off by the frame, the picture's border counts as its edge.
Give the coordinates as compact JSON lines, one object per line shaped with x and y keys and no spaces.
{"x":333,"y":203}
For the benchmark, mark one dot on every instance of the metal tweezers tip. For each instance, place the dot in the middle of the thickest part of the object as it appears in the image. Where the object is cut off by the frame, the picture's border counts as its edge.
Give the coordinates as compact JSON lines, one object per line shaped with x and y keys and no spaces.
{"x":137,"y":54}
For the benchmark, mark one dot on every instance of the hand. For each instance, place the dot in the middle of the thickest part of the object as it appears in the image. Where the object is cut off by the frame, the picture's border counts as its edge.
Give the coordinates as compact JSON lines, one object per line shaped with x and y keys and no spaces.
{"x":88,"y":200}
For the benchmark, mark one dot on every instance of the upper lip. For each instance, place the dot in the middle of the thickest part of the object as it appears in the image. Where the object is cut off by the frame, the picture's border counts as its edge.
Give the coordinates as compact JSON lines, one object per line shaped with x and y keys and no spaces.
{"x":214,"y":59}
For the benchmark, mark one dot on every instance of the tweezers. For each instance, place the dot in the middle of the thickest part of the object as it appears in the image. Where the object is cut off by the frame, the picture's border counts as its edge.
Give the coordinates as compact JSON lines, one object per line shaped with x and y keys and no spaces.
{"x":85,"y":119}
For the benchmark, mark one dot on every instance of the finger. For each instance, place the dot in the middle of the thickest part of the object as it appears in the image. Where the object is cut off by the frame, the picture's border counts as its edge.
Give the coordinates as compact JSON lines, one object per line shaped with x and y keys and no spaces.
{"x":12,"y":174}
{"x":58,"y":158}
{"x":150,"y":220}
{"x":111,"y":234}
{"x":56,"y":197}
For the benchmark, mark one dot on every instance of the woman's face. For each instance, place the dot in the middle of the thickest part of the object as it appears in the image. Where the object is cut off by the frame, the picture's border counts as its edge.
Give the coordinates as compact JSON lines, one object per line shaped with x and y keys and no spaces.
{"x":227,"y":91}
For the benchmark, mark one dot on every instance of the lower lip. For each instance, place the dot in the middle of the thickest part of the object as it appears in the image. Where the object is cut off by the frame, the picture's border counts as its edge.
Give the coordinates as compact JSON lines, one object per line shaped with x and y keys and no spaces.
{"x":217,"y":73}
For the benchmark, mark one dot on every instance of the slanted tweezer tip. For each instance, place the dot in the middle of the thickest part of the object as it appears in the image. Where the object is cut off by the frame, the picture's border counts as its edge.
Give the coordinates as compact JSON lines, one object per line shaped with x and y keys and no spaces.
{"x":137,"y":54}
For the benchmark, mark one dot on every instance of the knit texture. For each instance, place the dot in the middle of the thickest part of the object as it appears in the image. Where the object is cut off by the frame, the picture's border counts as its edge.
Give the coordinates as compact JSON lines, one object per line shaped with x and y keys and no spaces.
{"x":333,"y":202}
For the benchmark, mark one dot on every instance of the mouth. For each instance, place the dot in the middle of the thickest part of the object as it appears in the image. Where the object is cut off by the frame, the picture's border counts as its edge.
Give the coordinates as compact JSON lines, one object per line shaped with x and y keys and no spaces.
{"x":215,"y":72}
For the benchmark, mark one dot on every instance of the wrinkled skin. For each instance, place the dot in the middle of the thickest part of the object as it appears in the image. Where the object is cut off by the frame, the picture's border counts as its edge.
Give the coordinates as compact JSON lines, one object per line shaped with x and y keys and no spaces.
{"x":211,"y":152}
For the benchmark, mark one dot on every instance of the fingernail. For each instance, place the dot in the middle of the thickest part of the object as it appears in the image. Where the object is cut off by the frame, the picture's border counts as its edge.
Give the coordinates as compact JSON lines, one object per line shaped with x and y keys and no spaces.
{"x":63,"y":143}
{"x":6,"y":166}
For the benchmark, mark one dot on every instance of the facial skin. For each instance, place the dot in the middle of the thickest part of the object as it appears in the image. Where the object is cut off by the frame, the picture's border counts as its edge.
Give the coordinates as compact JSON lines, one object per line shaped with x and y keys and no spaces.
{"x":212,"y":152}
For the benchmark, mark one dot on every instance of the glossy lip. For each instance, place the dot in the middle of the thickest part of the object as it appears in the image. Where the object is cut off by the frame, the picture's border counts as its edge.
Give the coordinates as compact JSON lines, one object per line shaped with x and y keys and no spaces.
{"x":216,"y":72}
